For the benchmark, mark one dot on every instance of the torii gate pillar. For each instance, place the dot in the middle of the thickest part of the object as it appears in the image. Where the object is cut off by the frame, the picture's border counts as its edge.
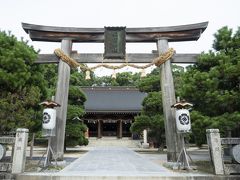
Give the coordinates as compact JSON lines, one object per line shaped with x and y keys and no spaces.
{"x":61,"y":97}
{"x":168,"y":99}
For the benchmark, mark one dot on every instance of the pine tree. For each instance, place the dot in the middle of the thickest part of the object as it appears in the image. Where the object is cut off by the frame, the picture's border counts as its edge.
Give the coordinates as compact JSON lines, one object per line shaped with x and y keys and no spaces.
{"x":213,"y":85}
{"x":22,"y":85}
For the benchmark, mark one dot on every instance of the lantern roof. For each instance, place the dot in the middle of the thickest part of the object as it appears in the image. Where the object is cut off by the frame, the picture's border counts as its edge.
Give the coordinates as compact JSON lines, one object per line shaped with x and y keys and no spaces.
{"x":182,"y":105}
{"x":50,"y":104}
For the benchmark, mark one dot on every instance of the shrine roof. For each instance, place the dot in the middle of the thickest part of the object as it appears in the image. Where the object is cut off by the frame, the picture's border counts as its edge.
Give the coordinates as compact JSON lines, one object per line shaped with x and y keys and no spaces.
{"x":189,"y":32}
{"x":115,"y":100}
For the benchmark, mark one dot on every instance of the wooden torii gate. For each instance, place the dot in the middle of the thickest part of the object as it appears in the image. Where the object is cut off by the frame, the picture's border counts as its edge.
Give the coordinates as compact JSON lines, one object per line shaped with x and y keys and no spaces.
{"x":160,"y":35}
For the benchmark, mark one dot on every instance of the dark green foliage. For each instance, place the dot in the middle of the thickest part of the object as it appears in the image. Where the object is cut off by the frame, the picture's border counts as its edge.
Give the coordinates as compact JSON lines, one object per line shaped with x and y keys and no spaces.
{"x":16,"y":60}
{"x":199,"y":125}
{"x":74,"y":111}
{"x":177,"y":71}
{"x":213,"y":85}
{"x":78,"y":79}
{"x":154,"y":124}
{"x":75,"y":129}
{"x":127,"y":79}
{"x":76,"y":96}
{"x":50,"y":72}
{"x":157,"y":132}
{"x":150,"y":84}
{"x":223,"y":40}
{"x":141,"y":122}
{"x":152,"y":104}
{"x":75,"y":133}
{"x":22,"y":85}
{"x":151,"y":116}
{"x":122,"y":79}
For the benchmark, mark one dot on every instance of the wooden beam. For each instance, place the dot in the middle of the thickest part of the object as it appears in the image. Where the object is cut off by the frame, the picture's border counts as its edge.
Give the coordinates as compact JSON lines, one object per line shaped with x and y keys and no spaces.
{"x":190,"y":32}
{"x":230,"y":140}
{"x":7,"y":140}
{"x":131,"y":58}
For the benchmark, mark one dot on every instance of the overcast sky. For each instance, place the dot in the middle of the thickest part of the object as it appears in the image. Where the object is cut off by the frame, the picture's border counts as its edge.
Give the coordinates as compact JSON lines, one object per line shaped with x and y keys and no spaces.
{"x":129,"y":13}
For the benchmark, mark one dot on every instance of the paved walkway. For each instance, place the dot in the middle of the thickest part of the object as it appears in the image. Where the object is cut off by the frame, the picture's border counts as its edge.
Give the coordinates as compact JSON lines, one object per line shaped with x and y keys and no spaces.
{"x":117,"y":163}
{"x":109,"y":161}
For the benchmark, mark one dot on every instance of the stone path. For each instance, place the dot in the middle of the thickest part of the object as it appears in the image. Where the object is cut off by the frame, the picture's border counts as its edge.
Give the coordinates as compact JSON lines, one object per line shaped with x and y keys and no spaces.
{"x":109,"y":161}
{"x":116,"y":163}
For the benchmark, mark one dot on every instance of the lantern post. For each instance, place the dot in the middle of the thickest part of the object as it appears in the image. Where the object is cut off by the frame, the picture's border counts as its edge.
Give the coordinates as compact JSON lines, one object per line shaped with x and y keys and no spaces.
{"x":48,"y":127}
{"x":183,"y":124}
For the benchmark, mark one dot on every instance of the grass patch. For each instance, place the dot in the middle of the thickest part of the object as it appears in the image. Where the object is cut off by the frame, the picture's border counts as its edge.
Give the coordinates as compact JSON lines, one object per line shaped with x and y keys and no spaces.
{"x":31,"y":166}
{"x":34,"y":166}
{"x":204,"y":166}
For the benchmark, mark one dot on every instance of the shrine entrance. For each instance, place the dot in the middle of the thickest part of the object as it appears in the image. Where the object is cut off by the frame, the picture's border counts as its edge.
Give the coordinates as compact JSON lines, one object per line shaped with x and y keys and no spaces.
{"x":115,"y":53}
{"x":113,"y":128}
{"x":110,"y":111}
{"x":109,"y":128}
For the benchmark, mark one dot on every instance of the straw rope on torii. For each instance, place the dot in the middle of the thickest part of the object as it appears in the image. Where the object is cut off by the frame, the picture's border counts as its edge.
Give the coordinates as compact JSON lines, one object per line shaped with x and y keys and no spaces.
{"x":74,"y":64}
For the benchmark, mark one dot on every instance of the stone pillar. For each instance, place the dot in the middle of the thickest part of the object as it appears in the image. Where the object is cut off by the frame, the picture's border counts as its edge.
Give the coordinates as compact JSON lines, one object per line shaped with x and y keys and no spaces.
{"x":168,"y":98}
{"x":99,"y":129}
{"x":19,"y":156}
{"x":120,"y":129}
{"x":61,"y":97}
{"x":145,"y":143}
{"x":215,"y":150}
{"x":87,"y":134}
{"x":144,"y":136}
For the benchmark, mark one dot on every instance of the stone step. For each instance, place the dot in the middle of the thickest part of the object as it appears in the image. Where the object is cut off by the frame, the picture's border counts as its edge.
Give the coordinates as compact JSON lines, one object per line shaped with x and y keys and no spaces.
{"x":183,"y":176}
{"x":6,"y":176}
{"x":109,"y":138}
{"x":113,"y":141}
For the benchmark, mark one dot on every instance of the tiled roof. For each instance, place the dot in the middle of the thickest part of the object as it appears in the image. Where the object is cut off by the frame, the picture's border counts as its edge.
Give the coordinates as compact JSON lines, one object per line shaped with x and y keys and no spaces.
{"x":113,"y":99}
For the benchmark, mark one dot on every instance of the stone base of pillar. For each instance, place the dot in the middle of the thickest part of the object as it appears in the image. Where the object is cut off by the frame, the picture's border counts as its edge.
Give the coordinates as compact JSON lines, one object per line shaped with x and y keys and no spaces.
{"x":172,"y":156}
{"x":145,"y":145}
{"x":59,"y":163}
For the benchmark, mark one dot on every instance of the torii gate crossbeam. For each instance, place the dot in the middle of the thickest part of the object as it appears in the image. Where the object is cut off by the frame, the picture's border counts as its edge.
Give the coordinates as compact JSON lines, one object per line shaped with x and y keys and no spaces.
{"x":159,"y":35}
{"x":131,"y":58}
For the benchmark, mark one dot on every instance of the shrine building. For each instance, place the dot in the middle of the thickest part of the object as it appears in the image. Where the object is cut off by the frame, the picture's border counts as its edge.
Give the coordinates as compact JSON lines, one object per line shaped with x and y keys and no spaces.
{"x":110,"y":111}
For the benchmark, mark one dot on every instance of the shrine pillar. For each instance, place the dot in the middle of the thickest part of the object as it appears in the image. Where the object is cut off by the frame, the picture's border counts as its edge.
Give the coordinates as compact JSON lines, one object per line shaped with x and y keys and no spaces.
{"x":99,"y":129}
{"x":168,"y":99}
{"x":120,"y":129}
{"x":61,"y":97}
